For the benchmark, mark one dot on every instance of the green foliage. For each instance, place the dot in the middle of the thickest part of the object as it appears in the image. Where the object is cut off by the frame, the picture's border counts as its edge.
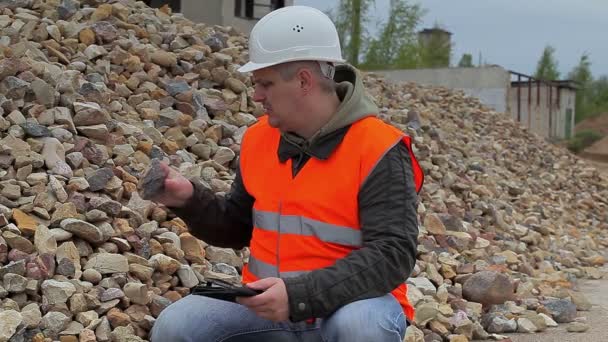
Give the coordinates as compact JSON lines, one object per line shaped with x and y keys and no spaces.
{"x":466,"y":61}
{"x":397,"y":45}
{"x":581,"y":74}
{"x":546,"y":69}
{"x":436,"y":52}
{"x":592,"y":96}
{"x":598,"y":98}
{"x":351,"y":19}
{"x":582,"y":140}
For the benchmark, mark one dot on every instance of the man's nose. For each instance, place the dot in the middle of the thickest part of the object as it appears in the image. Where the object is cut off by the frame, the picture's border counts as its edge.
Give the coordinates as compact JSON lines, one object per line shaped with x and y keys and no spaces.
{"x":258,"y":95}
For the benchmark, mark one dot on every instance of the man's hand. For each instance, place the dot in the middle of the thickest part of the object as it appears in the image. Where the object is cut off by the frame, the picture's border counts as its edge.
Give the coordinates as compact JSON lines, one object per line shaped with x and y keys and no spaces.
{"x":177,"y":190}
{"x":272,"y":304}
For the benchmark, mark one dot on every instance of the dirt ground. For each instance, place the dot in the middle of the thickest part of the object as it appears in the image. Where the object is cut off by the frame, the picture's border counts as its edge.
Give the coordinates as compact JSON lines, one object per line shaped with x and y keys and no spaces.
{"x":600,"y":166}
{"x":597,"y":293}
{"x":599,"y":150}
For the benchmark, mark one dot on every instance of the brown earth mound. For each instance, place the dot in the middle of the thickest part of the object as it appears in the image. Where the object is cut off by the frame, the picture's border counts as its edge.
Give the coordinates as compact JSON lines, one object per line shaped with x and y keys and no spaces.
{"x":598,"y":124}
{"x":598,"y":151}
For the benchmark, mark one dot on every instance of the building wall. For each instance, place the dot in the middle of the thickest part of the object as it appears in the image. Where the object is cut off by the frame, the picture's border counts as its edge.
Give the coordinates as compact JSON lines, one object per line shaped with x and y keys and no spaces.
{"x":488,"y":84}
{"x":204,"y":11}
{"x":221,"y":12}
{"x":546,"y":120}
{"x":568,"y":113}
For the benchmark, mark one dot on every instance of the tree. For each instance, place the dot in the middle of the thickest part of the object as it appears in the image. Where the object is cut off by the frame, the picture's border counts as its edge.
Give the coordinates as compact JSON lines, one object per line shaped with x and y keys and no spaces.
{"x":466,"y":61}
{"x":350,"y":20}
{"x":546,"y":68}
{"x":581,"y":74}
{"x":397,"y":45}
{"x":598,"y":97}
{"x":436,"y":50}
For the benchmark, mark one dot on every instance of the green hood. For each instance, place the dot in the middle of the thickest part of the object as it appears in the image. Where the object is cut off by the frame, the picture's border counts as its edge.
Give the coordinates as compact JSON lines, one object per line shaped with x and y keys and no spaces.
{"x":355,"y":104}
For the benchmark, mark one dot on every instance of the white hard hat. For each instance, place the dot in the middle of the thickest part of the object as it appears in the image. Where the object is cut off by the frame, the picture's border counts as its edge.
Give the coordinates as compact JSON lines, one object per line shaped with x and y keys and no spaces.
{"x":292,"y":33}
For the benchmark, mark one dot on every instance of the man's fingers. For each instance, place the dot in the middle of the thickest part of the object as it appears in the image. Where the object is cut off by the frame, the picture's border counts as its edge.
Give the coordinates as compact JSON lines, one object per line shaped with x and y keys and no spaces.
{"x":263,"y":284}
{"x":254,"y":302}
{"x":172,"y":184}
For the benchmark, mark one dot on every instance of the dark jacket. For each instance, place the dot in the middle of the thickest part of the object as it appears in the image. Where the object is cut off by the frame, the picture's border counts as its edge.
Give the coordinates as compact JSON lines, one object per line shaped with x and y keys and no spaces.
{"x":387,"y":209}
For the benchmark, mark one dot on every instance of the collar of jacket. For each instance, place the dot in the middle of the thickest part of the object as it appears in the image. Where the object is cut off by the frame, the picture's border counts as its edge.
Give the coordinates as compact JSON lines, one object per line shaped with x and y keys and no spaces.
{"x":355,"y":104}
{"x":321,"y":148}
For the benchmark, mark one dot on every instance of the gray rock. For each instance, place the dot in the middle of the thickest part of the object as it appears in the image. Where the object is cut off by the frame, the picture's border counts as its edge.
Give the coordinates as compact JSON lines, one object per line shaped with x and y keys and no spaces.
{"x":425,"y":313}
{"x":45,"y":93}
{"x":98,"y":132}
{"x":111,"y":294}
{"x":14,"y":283}
{"x":215,"y":42}
{"x":9,"y":319}
{"x":45,"y":241}
{"x":82,"y":229}
{"x":54,"y":322}
{"x":578,"y":327}
{"x":66,"y":268}
{"x":105,"y":30}
{"x":525,"y":325}
{"x":110,"y":207}
{"x":581,"y":302}
{"x":224,"y":155}
{"x":57,"y":291}
{"x":13,"y":87}
{"x":153,"y":182}
{"x":562,"y":310}
{"x":108,"y":263}
{"x":223,"y":255}
{"x":89,"y":114}
{"x":125,"y":334}
{"x":94,"y":51}
{"x":137,"y":293}
{"x":14,"y":267}
{"x":31,"y":315}
{"x":74,"y":159}
{"x":488,"y":287}
{"x":177,"y":87}
{"x":104,"y":329}
{"x":67,"y":8}
{"x":99,"y":179}
{"x":498,"y":324}
{"x":424,"y":285}
{"x":11,"y":191}
{"x":224,"y":268}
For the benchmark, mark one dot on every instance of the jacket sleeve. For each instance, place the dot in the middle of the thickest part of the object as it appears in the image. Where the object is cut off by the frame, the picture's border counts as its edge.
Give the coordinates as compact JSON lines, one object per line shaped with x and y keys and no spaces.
{"x":223,"y":221}
{"x":389,"y":226}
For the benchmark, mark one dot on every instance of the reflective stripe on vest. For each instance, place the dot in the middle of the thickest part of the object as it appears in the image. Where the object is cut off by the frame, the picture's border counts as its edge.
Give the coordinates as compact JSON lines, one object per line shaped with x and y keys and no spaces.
{"x":304,"y":226}
{"x":265,"y":270}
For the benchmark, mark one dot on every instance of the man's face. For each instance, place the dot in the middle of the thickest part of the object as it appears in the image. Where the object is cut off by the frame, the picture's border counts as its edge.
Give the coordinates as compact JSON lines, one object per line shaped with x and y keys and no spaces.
{"x":279,"y":97}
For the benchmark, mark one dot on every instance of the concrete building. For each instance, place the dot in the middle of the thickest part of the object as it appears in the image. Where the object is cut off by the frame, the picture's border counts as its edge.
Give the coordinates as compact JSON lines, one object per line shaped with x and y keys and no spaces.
{"x":546,"y":108}
{"x":240,"y":14}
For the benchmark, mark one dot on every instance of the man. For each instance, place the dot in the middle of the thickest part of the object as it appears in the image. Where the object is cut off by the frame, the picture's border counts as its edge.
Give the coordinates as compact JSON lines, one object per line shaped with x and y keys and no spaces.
{"x":325,"y":196}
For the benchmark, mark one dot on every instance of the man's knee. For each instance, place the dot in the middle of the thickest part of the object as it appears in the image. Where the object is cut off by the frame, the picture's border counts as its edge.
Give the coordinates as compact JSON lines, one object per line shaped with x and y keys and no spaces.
{"x":187,"y":320}
{"x":165,"y":327}
{"x":367,"y":320}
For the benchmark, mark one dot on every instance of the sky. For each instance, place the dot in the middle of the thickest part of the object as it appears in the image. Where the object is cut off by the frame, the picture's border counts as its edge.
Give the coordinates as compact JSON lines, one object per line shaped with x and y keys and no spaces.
{"x":513,"y":33}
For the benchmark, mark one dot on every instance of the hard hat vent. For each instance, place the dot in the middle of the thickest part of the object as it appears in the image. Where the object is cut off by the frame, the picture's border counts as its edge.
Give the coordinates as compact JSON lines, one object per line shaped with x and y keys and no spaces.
{"x":298,"y":28}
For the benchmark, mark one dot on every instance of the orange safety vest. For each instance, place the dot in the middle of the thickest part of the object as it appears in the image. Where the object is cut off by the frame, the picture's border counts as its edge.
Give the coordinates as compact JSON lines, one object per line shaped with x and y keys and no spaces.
{"x":309,"y":221}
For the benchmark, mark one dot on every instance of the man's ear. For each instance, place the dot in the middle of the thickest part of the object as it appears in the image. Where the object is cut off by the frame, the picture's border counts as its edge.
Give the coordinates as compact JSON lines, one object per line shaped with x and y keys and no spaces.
{"x":305,"y":79}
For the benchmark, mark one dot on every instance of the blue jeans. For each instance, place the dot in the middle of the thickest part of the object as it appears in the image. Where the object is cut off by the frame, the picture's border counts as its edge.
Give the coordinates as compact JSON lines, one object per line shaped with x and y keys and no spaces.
{"x":201,"y":319}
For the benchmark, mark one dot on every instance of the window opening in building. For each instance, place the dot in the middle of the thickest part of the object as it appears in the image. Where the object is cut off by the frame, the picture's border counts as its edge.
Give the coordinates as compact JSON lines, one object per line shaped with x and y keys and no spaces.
{"x":255,"y":10}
